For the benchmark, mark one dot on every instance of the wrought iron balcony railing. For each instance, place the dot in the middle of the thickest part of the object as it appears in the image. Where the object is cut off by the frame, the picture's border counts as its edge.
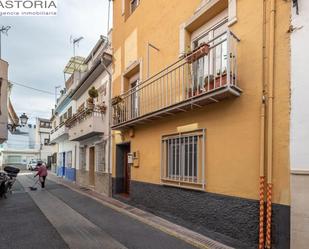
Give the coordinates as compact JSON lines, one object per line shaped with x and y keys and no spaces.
{"x":207,"y":74}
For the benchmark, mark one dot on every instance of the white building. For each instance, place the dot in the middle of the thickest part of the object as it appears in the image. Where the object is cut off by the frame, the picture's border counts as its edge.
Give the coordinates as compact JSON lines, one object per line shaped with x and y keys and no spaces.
{"x":89,"y":125}
{"x":299,"y":146}
{"x":3,"y":100}
{"x":67,"y":160}
{"x":20,"y":147}
{"x":42,"y":138}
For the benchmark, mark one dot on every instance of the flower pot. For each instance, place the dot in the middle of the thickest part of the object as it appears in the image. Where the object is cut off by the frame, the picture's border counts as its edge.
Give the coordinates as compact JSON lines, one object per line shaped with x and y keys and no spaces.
{"x":116,"y":100}
{"x":215,"y":83}
{"x":191,"y":93}
{"x":197,"y":53}
{"x":90,"y":104}
{"x":102,"y":108}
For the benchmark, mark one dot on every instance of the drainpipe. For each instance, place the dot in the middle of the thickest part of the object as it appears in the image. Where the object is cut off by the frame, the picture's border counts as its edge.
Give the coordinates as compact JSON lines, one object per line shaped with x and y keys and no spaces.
{"x":262,"y":140}
{"x":109,"y":116}
{"x":262,"y":177}
{"x":270,"y":96}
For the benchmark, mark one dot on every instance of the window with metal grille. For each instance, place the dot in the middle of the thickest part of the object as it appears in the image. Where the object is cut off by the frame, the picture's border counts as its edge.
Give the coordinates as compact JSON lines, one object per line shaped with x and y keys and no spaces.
{"x":82,"y":158}
{"x":100,"y":150}
{"x":183,"y":159}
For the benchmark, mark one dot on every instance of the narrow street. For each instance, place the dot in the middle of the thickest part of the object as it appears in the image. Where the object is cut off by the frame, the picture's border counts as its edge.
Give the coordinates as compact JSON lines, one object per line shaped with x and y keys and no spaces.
{"x":59,"y":217}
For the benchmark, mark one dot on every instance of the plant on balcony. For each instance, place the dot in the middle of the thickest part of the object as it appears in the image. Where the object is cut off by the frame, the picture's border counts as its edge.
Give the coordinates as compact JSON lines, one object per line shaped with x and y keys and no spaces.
{"x":93,"y":93}
{"x":102,"y":107}
{"x":216,"y":82}
{"x":209,"y":80}
{"x":193,"y":91}
{"x":197,"y":53}
{"x":116,"y":100}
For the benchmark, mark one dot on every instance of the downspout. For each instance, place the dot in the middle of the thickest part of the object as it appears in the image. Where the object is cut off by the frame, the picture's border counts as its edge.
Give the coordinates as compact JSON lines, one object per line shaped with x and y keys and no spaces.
{"x":109,"y":118}
{"x":262,"y":177}
{"x":270,"y":97}
{"x":262,"y":139}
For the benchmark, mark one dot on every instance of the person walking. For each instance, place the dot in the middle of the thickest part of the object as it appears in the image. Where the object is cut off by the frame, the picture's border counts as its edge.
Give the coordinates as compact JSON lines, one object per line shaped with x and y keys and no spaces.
{"x":42,"y":173}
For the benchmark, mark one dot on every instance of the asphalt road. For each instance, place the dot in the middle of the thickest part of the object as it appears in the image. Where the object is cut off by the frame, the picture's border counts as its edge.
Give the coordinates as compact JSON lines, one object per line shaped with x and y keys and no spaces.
{"x":59,"y":217}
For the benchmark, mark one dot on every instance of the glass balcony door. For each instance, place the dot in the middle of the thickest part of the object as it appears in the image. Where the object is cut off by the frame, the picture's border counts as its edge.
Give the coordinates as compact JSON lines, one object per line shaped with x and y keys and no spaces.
{"x":215,"y":63}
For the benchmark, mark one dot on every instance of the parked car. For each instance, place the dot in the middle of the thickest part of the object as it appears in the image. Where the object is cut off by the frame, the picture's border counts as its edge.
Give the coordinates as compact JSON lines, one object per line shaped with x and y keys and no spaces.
{"x":32,"y":165}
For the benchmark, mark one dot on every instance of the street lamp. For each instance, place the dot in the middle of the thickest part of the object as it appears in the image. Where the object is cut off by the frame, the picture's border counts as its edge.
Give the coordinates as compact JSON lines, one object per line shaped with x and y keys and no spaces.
{"x":23,"y":121}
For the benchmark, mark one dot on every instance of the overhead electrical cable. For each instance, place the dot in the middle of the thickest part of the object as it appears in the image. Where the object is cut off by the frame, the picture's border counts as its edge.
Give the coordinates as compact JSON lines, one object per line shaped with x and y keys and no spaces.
{"x":29,"y":87}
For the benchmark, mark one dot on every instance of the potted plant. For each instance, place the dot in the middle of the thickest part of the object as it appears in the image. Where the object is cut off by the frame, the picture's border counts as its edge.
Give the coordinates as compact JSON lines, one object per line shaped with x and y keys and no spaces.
{"x":216,"y":82}
{"x":189,"y":92}
{"x":116,"y":100}
{"x":196,"y":90}
{"x":197,"y":53}
{"x":93,"y":93}
{"x":102,"y":107}
{"x":209,"y":82}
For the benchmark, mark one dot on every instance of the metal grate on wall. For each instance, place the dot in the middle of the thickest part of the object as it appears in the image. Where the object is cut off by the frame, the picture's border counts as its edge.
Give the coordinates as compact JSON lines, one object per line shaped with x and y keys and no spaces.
{"x":100,"y":149}
{"x":183,"y":159}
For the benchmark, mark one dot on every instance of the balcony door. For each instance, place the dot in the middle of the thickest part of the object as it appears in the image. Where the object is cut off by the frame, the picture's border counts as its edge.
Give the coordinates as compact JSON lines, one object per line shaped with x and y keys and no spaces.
{"x":215,"y":63}
{"x":134,"y":99}
{"x":91,"y":166}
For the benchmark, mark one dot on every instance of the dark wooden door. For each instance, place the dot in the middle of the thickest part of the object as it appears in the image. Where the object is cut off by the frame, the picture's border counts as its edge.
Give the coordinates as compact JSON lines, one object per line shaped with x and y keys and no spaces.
{"x":91,"y":166}
{"x":127,"y":173}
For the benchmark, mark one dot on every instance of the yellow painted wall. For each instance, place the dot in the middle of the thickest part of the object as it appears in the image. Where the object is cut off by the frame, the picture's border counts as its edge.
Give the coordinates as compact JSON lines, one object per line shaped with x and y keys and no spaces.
{"x":232,"y":126}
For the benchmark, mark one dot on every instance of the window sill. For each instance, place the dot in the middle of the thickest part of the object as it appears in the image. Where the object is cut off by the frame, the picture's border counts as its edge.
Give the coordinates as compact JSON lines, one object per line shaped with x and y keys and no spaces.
{"x":182,"y":184}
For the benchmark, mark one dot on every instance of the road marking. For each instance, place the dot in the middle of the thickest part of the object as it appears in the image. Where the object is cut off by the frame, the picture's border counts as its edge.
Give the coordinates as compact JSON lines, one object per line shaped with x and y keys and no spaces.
{"x":76,"y":230}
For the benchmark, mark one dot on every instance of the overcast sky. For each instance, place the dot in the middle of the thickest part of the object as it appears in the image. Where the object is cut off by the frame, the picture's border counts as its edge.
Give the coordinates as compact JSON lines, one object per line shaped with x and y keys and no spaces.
{"x":38,"y":49}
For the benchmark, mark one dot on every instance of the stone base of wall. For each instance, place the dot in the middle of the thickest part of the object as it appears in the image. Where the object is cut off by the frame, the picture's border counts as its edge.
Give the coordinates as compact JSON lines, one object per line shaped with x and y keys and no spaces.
{"x":102,"y":181}
{"x":230,"y":220}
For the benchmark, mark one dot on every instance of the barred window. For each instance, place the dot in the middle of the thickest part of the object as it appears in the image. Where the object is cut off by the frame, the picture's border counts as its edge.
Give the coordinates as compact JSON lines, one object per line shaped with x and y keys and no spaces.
{"x":183,"y":159}
{"x":100,"y":156}
{"x":82,"y":158}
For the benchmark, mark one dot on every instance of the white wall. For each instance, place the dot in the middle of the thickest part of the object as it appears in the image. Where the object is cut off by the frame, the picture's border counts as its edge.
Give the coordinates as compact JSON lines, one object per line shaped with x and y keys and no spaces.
{"x":102,"y":80}
{"x":67,"y":146}
{"x":299,"y":145}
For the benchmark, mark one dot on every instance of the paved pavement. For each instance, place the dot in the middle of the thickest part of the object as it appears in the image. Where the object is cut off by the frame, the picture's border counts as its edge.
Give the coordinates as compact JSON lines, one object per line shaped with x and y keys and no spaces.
{"x":23,"y":225}
{"x":59,"y":217}
{"x":299,"y":211}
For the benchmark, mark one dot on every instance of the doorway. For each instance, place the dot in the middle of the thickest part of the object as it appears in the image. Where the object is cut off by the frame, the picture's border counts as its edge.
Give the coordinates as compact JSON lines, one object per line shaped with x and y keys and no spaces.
{"x":63,"y":164}
{"x":134,"y":100}
{"x":91,"y":166}
{"x":123,"y":169}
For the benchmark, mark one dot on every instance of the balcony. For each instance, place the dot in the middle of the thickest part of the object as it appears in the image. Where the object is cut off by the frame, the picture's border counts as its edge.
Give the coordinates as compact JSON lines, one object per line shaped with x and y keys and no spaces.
{"x":85,"y":124}
{"x":206,"y":75}
{"x":60,"y":133}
